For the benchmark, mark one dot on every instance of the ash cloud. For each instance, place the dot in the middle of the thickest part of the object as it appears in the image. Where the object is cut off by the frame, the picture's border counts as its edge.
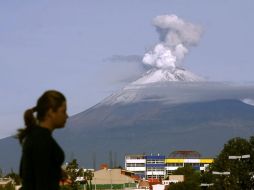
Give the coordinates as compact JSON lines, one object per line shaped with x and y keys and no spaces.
{"x":176,"y":37}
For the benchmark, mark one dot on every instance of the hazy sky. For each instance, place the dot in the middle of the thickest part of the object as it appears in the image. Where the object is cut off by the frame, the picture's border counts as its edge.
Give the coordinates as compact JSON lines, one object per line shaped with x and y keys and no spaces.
{"x":90,"y":48}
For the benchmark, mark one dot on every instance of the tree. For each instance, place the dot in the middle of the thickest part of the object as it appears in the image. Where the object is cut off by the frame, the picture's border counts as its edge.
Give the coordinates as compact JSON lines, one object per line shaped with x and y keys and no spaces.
{"x":191,"y":179}
{"x":88,"y":176}
{"x":241,"y":176}
{"x":72,"y":172}
{"x":251,"y":141}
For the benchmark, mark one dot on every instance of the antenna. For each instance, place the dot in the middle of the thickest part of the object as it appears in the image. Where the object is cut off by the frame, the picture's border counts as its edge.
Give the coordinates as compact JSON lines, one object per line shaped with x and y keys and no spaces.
{"x":115,"y":159}
{"x":110,"y":159}
{"x":94,"y":160}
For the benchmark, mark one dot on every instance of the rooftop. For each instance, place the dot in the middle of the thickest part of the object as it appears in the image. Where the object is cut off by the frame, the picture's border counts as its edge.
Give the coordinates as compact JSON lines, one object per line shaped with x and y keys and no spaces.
{"x":185,"y":154}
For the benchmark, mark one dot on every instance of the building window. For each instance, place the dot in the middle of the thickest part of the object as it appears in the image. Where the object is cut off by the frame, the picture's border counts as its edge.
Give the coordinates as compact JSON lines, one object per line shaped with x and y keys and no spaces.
{"x":140,"y":165}
{"x":155,"y":161}
{"x":135,"y":165}
{"x":192,"y":164}
{"x":155,"y":169}
{"x":175,"y":164}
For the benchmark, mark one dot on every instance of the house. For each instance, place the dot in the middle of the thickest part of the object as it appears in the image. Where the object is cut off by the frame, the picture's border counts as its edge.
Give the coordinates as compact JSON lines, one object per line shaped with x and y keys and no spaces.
{"x":112,"y":179}
{"x":143,"y":185}
{"x":6,"y":181}
{"x":173,"y":179}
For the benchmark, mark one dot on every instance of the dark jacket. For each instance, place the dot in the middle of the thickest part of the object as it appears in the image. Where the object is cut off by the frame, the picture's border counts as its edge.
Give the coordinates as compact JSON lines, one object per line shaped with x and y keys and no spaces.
{"x":42,"y":157}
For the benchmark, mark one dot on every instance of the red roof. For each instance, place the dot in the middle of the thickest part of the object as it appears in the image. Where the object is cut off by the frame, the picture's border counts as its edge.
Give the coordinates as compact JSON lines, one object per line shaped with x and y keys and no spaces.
{"x":154,"y":180}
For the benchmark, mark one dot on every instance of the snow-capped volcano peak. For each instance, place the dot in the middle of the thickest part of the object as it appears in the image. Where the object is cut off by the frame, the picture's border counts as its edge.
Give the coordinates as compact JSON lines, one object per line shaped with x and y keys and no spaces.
{"x":164,"y":75}
{"x":176,"y":37}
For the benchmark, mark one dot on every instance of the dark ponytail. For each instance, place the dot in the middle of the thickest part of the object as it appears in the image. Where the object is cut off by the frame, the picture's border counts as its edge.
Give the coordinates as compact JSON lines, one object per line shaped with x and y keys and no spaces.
{"x":51,"y":99}
{"x":29,"y":118}
{"x":30,"y":122}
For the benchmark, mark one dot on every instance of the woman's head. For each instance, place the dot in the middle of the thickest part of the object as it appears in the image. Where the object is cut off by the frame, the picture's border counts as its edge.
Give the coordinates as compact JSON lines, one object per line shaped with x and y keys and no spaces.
{"x":50,"y":100}
{"x":51,"y":106}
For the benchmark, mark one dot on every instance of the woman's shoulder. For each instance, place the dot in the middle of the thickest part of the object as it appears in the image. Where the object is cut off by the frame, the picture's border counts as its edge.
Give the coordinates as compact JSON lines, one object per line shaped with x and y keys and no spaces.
{"x":38,"y":135}
{"x":37,"y":130}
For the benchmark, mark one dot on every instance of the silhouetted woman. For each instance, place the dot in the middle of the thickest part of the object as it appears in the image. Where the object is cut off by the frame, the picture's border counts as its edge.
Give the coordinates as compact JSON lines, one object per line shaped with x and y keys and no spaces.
{"x":42,"y":157}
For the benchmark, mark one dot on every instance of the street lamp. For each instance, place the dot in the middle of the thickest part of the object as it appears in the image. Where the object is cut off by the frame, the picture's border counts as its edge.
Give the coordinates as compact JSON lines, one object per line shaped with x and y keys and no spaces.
{"x":206,"y":184}
{"x":220,"y":173}
{"x":239,"y":157}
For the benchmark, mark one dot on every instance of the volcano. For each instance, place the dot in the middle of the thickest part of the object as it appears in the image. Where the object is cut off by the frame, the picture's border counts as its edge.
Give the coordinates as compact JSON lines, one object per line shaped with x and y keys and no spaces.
{"x":153,"y":117}
{"x":161,"y":117}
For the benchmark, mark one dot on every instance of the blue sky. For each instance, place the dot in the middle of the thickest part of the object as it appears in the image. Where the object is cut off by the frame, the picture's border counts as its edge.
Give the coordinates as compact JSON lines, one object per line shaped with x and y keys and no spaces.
{"x":90,"y":49}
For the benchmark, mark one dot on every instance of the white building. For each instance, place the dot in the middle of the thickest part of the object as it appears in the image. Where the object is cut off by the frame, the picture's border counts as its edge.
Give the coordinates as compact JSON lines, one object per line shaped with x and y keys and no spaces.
{"x":136,"y":164}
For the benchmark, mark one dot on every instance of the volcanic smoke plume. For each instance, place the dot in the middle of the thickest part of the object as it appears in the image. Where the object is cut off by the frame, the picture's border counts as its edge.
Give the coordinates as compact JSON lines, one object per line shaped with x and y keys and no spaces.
{"x":176,"y":36}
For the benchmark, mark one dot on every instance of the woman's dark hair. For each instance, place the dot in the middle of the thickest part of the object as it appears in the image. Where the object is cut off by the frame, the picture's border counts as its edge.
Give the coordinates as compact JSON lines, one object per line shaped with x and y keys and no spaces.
{"x":50,"y":99}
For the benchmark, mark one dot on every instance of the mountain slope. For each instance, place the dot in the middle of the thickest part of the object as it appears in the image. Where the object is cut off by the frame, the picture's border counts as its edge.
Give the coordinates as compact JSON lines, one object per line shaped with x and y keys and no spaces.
{"x":155,"y":127}
{"x":158,"y":118}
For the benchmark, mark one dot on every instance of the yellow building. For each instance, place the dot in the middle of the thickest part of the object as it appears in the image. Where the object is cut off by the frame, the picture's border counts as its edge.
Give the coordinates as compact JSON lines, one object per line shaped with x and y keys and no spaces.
{"x":183,"y":158}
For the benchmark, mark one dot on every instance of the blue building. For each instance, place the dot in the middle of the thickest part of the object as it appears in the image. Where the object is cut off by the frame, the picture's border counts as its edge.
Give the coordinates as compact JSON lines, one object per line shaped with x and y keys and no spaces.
{"x":155,"y":166}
